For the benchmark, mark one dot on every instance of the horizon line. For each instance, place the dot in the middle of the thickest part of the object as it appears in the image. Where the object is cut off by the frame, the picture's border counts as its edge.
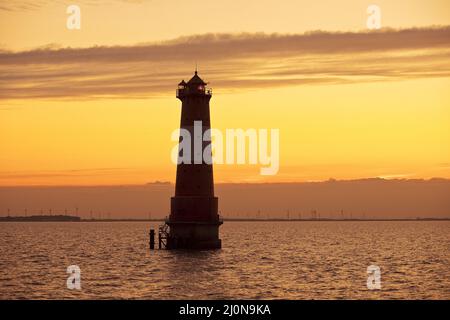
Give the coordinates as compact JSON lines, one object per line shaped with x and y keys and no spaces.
{"x":332,"y":180}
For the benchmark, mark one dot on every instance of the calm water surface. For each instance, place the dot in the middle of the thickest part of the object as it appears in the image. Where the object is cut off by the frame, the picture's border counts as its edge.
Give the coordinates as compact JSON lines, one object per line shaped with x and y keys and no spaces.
{"x":259,"y":260}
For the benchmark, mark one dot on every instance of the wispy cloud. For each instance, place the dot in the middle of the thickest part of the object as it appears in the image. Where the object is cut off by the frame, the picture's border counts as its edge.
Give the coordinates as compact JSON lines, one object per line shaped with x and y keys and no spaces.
{"x":229,"y":61}
{"x":63,"y":173}
{"x":32,"y":5}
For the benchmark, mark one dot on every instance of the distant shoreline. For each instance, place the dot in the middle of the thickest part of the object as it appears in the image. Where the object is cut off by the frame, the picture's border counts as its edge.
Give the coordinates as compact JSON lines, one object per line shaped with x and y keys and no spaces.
{"x":64,"y":218}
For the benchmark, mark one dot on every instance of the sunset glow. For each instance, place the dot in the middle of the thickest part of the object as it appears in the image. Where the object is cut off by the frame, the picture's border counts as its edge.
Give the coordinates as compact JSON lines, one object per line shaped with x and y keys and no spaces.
{"x":94,"y":115}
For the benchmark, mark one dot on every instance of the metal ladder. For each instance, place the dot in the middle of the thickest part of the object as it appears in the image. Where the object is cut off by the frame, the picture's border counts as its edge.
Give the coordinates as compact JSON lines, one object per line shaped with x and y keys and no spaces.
{"x":163,"y":235}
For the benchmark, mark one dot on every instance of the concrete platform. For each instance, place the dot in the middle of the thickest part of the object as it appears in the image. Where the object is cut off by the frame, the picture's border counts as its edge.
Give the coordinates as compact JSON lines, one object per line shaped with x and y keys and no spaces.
{"x":199,"y":235}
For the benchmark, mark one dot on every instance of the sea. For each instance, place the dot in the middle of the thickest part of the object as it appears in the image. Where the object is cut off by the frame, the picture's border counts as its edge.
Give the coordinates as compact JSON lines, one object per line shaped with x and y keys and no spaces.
{"x":258,"y":260}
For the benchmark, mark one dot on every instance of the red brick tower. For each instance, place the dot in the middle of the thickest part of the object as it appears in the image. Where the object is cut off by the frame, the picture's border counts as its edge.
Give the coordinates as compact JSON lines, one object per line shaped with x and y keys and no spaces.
{"x":194,"y":221}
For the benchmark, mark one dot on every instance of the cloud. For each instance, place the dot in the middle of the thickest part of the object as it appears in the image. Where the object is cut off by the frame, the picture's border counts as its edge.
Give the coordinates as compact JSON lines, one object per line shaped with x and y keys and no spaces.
{"x":62,"y":173}
{"x":32,"y":5}
{"x":229,"y":61}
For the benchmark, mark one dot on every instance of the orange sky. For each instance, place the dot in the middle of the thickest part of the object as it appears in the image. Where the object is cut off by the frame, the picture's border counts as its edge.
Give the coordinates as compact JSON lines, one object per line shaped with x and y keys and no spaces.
{"x":348,"y":105}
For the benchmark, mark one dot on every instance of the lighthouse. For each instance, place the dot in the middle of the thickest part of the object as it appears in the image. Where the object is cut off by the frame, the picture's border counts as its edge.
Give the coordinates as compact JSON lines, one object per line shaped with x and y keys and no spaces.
{"x":194,"y":221}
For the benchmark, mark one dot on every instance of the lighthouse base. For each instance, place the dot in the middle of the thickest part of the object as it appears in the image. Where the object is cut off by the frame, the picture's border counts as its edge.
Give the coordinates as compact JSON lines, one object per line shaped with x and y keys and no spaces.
{"x":193,"y":235}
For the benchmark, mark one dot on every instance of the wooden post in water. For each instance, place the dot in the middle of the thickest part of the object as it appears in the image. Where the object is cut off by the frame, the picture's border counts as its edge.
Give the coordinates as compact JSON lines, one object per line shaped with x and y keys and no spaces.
{"x":152,"y":239}
{"x":159,"y":240}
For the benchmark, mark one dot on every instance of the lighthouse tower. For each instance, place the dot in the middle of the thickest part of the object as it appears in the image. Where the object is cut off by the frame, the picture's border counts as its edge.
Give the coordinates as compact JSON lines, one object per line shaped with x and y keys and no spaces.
{"x":194,"y":221}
